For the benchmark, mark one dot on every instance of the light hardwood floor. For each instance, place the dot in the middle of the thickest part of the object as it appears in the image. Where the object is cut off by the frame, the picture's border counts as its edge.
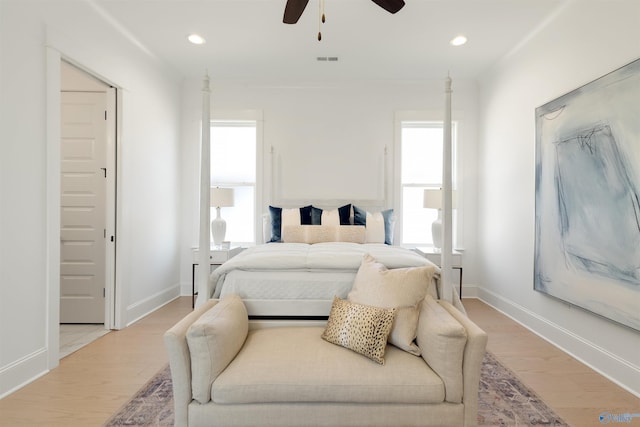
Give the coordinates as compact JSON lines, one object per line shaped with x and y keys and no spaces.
{"x":94,"y":382}
{"x":577,"y":393}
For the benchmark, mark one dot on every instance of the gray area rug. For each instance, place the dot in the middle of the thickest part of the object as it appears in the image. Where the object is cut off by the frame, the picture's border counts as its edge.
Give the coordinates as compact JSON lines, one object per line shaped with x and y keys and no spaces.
{"x":503,"y":401}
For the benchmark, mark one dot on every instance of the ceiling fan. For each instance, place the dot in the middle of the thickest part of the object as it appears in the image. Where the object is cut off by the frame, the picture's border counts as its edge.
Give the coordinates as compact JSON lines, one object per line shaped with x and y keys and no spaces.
{"x":294,"y":8}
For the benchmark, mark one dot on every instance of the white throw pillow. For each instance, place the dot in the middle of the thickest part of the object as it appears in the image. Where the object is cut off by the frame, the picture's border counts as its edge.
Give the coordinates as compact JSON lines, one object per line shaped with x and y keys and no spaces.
{"x":375,"y":227}
{"x":290,"y":217}
{"x":401,"y":288}
{"x":331,"y":217}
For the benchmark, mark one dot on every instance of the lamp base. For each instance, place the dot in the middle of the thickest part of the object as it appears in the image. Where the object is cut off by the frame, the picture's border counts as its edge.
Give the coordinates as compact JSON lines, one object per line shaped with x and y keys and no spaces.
{"x":218,"y":229}
{"x":436,"y":232}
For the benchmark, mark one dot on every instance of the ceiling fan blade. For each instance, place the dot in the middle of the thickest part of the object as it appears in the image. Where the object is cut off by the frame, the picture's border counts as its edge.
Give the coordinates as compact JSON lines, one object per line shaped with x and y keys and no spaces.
{"x":293,"y":10}
{"x":391,"y":6}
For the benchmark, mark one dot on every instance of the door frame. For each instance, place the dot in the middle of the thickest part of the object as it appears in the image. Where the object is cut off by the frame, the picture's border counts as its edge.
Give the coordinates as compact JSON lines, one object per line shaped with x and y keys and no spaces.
{"x":113,"y":298}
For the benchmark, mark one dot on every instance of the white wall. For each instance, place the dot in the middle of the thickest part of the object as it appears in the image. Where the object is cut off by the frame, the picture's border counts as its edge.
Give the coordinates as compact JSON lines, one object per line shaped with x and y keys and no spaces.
{"x":329,"y":140}
{"x":148,"y":176}
{"x":586,"y":40}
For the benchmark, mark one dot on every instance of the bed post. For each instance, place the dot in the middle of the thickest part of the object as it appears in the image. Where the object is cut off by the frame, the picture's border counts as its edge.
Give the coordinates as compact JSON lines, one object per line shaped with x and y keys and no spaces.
{"x":447,"y":244}
{"x":205,"y":184}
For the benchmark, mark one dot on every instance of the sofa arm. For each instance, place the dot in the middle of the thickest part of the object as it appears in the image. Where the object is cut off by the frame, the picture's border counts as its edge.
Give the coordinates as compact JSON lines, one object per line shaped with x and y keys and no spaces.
{"x":472,"y":362}
{"x":442,"y":340}
{"x":175,"y":340}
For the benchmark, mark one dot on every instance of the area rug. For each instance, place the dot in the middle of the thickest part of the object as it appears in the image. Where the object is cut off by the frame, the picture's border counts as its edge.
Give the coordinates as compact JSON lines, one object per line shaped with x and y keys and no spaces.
{"x":503,"y":401}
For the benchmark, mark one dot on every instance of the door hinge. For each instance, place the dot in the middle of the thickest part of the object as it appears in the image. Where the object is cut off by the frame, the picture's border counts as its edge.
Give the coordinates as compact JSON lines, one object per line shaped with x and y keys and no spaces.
{"x":105,"y":114}
{"x":104,"y":233}
{"x":104,"y":293}
{"x":105,"y":171}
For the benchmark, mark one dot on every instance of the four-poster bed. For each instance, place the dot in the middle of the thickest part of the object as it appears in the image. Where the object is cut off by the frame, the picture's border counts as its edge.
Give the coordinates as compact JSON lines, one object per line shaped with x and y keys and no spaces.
{"x":300,"y":279}
{"x":392,"y":353}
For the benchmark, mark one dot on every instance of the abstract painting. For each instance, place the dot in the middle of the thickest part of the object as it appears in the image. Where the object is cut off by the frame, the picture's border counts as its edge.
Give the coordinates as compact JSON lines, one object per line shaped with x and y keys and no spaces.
{"x":587,"y":237}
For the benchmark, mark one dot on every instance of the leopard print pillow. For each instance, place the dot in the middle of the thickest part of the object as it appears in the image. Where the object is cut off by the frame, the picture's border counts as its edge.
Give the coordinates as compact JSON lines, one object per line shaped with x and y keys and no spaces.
{"x":361,"y":328}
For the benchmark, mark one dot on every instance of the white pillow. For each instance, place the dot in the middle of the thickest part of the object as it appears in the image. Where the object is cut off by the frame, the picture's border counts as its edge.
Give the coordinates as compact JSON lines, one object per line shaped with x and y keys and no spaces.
{"x":330,"y":217}
{"x":375,"y":227}
{"x":401,"y":288}
{"x":290,"y":216}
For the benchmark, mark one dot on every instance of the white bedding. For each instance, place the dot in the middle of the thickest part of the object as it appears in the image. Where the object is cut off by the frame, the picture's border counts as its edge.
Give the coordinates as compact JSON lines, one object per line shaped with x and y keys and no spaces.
{"x":299,"y":272}
{"x":287,"y":285}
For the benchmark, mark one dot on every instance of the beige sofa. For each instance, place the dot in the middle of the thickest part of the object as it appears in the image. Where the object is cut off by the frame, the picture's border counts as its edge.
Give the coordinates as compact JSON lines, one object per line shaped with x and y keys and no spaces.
{"x":227,"y":374}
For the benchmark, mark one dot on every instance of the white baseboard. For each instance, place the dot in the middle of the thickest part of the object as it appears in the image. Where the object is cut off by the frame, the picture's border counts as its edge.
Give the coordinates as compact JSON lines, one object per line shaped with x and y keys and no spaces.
{"x":469,"y":291}
{"x":138,"y":310}
{"x":22,"y":372}
{"x":185,"y":289}
{"x":622,"y":372}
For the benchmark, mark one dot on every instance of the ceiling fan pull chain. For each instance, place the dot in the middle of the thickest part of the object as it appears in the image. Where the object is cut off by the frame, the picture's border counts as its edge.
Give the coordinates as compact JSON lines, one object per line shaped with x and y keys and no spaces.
{"x":322,"y":19}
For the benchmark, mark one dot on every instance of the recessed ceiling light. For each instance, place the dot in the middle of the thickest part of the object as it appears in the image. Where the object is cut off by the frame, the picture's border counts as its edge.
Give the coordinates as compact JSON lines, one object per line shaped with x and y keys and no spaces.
{"x":196,"y":39}
{"x":458,"y":41}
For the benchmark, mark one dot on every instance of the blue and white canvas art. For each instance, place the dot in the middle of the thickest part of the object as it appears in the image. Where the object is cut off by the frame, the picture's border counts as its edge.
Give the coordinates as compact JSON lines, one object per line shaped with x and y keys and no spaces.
{"x":587,"y":248}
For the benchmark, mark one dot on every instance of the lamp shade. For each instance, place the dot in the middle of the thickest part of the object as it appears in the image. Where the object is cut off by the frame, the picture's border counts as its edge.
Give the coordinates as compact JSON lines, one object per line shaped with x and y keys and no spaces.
{"x":221,"y":197}
{"x":433,"y":198}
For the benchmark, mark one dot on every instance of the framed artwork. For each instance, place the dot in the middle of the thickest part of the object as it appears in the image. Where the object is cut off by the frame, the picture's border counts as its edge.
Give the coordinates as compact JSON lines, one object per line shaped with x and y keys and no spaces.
{"x":587,"y":237}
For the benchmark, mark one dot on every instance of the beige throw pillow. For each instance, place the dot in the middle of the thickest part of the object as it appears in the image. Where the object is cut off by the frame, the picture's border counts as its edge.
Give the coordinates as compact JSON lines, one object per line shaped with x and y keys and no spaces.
{"x":360,"y":328}
{"x":442,"y":340}
{"x":214,"y":340}
{"x":401,"y":288}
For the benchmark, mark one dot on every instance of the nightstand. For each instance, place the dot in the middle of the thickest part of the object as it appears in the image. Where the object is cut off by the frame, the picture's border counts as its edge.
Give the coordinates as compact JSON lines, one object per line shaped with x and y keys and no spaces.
{"x":217,"y":257}
{"x":435,"y":256}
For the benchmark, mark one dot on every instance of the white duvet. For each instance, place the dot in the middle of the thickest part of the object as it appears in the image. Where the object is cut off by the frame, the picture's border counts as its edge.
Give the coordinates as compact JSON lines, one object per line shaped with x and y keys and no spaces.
{"x":334,"y":258}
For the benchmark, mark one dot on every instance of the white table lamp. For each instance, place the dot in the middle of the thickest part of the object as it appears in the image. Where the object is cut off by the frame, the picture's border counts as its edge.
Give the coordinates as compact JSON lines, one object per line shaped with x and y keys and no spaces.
{"x":433,"y":200}
{"x":220,"y":198}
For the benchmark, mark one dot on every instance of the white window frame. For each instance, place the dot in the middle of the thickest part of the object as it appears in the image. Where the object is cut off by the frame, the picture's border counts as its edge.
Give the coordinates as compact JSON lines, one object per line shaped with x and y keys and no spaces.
{"x":235,"y":117}
{"x":427,"y":117}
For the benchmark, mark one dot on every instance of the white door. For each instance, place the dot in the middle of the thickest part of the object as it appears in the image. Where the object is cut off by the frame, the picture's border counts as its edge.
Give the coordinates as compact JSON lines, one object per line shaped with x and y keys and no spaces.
{"x":83,"y":240}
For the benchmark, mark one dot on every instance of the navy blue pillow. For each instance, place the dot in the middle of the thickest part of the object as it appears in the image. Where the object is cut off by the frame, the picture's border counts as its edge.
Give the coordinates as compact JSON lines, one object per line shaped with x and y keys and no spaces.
{"x":276,"y":224}
{"x":305,"y":215}
{"x":359,"y":216}
{"x":316,"y":216}
{"x":344,"y":212}
{"x":388,"y":226}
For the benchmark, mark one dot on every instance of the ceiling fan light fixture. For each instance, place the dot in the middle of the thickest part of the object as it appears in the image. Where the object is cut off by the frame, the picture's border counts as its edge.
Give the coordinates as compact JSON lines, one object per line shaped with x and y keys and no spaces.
{"x":458,"y":40}
{"x":196,"y":39}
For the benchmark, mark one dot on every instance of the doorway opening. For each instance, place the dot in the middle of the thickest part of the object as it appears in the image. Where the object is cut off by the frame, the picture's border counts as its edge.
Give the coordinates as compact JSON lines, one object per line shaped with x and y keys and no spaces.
{"x":87,"y":207}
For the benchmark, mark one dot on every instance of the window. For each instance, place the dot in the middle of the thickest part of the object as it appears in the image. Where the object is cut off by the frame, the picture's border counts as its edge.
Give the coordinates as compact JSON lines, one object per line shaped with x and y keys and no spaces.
{"x":420,"y":168}
{"x":233,"y":165}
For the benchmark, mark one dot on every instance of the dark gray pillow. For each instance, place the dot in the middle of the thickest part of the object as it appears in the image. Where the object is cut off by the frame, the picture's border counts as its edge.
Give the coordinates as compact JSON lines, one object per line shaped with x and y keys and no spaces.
{"x":305,"y":215}
{"x":316,"y":216}
{"x":359,"y":216}
{"x":276,"y":223}
{"x":345,"y":213}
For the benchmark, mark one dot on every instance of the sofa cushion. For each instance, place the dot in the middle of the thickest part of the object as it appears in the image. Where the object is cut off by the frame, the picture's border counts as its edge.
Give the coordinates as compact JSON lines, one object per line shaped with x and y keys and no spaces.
{"x":442,"y":340}
{"x":293,"y":364}
{"x":361,"y":328}
{"x":401,"y":288}
{"x":214,"y":340}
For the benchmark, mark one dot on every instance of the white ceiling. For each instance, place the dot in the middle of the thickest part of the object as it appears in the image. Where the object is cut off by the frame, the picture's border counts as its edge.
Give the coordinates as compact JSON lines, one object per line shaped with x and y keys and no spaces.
{"x":246,"y":39}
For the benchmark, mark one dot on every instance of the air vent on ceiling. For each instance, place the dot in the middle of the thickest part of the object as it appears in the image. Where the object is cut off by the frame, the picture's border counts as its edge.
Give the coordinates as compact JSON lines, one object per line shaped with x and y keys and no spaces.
{"x":327,"y":58}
